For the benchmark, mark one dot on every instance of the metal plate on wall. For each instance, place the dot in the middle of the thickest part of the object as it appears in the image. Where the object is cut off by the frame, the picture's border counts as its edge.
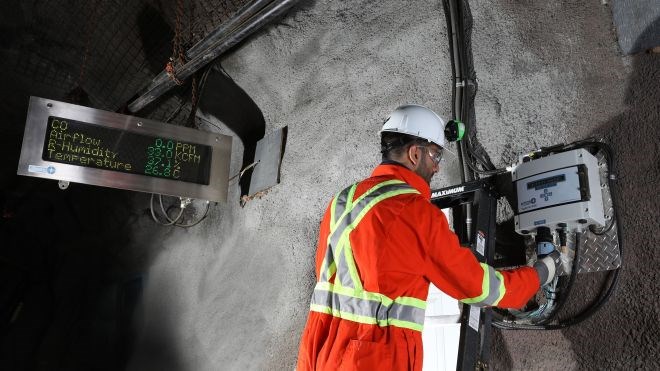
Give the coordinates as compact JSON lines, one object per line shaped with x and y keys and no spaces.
{"x":268,"y":157}
{"x":597,"y":252}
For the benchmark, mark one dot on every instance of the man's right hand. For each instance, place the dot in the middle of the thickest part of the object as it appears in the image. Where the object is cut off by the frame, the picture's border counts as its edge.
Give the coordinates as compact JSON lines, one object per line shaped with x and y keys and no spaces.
{"x":546,"y":267}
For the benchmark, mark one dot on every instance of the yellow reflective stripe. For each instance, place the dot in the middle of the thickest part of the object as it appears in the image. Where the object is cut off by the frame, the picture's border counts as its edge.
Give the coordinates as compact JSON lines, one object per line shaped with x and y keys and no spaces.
{"x":348,"y":208}
{"x":406,"y":324}
{"x":350,"y":205}
{"x":325,"y":267}
{"x":502,"y":288}
{"x":484,"y":287}
{"x":492,"y":288}
{"x":349,"y":198}
{"x":376,"y":187}
{"x":413,"y":302}
{"x":332,"y":267}
{"x":333,"y":206}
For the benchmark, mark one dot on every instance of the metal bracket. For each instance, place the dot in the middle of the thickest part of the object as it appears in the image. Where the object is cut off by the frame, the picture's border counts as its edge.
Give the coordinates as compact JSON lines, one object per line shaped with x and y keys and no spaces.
{"x":481,"y":197}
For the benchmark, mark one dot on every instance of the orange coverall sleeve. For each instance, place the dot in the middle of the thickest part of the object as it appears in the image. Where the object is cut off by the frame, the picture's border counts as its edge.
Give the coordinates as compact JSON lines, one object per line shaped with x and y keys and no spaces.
{"x":457,"y":272}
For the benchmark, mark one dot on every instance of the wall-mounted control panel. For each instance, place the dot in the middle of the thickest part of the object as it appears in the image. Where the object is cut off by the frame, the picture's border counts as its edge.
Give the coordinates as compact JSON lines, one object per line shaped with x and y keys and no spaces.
{"x":559,"y":190}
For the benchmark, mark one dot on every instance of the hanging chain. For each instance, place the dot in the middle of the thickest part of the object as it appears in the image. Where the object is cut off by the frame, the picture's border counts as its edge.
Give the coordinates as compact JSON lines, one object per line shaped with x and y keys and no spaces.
{"x":179,"y":58}
{"x":177,"y":49}
{"x":194,"y":94}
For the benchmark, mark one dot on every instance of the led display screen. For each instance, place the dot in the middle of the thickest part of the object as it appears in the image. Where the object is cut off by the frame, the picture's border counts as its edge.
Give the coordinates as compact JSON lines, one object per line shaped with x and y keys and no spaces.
{"x":83,"y":144}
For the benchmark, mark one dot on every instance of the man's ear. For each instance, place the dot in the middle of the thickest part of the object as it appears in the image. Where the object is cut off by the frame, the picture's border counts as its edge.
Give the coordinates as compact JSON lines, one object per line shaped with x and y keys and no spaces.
{"x":412,"y":155}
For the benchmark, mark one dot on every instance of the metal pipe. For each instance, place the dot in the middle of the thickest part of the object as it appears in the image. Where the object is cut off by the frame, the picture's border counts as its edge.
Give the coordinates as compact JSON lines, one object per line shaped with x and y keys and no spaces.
{"x":242,"y":15}
{"x":221,"y":43}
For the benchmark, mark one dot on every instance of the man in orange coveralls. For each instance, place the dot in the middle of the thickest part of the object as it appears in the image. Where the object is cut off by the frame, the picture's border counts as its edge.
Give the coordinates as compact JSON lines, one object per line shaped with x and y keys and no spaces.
{"x":380,"y":245}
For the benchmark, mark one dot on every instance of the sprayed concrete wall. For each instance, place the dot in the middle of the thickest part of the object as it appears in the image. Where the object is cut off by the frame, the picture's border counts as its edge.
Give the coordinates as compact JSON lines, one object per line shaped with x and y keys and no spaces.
{"x":232,"y":293}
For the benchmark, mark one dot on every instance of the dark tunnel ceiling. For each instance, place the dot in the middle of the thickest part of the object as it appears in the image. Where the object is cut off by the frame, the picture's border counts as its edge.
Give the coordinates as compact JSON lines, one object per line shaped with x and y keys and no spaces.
{"x":126,"y":44}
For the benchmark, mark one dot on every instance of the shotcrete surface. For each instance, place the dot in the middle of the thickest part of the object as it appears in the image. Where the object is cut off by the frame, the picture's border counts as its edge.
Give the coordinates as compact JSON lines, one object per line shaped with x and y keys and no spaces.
{"x":233,"y":292}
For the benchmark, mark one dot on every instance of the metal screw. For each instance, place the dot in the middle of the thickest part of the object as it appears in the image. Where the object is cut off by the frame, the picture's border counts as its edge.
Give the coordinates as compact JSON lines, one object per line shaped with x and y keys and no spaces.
{"x":217,"y":139}
{"x":139,"y":123}
{"x":49,"y":105}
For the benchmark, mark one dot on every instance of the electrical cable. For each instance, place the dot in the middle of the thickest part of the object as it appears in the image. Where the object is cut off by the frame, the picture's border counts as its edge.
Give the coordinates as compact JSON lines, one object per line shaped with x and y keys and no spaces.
{"x":153,"y":215}
{"x":175,"y":221}
{"x":240,"y":173}
{"x":486,"y":172}
{"x":162,"y":209}
{"x":206,"y":212}
{"x":462,"y":98}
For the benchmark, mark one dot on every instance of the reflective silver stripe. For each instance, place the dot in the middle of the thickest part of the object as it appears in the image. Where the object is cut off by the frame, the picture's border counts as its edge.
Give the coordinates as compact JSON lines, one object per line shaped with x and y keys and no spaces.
{"x":343,"y":270}
{"x":325,"y":269}
{"x":348,"y":304}
{"x":406,"y":313}
{"x":492,"y":288}
{"x":341,"y":203}
{"x":368,"y":308}
{"x":338,"y":207}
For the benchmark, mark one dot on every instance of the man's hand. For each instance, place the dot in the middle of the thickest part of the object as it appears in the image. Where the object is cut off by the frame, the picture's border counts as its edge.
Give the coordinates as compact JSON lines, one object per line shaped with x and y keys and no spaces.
{"x":546,"y":267}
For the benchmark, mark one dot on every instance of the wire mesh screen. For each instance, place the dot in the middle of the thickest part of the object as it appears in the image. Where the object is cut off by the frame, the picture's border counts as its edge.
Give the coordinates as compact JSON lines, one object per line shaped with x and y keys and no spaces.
{"x":109,"y":48}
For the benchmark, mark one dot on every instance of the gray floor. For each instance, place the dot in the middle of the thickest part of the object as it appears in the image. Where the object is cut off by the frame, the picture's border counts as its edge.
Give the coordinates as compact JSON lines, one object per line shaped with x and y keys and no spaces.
{"x":232,"y":293}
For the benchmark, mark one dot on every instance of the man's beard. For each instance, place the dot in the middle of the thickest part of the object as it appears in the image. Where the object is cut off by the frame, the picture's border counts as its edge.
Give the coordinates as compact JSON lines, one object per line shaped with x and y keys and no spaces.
{"x":424,"y":171}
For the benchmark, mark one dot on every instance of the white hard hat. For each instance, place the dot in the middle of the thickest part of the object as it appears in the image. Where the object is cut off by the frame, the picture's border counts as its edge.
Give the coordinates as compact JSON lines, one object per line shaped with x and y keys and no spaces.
{"x":417,"y":121}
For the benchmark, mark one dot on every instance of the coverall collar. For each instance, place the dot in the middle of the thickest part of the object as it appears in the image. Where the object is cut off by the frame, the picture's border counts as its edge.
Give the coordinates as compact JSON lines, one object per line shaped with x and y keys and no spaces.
{"x":398,"y":171}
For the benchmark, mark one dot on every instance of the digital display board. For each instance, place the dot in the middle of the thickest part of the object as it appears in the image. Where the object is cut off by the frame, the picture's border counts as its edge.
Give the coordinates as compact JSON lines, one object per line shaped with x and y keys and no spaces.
{"x":77,"y":144}
{"x":546,"y":182}
{"x":548,"y":189}
{"x":82,"y":144}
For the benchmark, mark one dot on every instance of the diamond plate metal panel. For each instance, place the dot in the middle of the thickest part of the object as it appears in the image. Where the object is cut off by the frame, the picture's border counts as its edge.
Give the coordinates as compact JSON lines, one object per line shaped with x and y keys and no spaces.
{"x":597,"y":252}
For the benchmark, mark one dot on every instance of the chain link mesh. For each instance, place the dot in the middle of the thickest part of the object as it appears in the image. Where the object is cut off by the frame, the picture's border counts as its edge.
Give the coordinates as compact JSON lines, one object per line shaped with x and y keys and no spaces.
{"x":110,"y":48}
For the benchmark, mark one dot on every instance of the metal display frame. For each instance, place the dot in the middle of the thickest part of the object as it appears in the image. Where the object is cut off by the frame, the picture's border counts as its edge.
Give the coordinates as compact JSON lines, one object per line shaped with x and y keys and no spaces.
{"x":32,"y":164}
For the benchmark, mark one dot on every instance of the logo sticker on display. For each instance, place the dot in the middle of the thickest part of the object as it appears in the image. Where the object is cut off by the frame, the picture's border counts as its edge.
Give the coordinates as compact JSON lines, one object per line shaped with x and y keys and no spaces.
{"x":37,"y":169}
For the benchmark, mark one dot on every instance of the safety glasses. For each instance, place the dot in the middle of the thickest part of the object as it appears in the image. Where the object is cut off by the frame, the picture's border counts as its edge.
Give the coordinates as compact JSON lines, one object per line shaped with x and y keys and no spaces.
{"x":436,"y":156}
